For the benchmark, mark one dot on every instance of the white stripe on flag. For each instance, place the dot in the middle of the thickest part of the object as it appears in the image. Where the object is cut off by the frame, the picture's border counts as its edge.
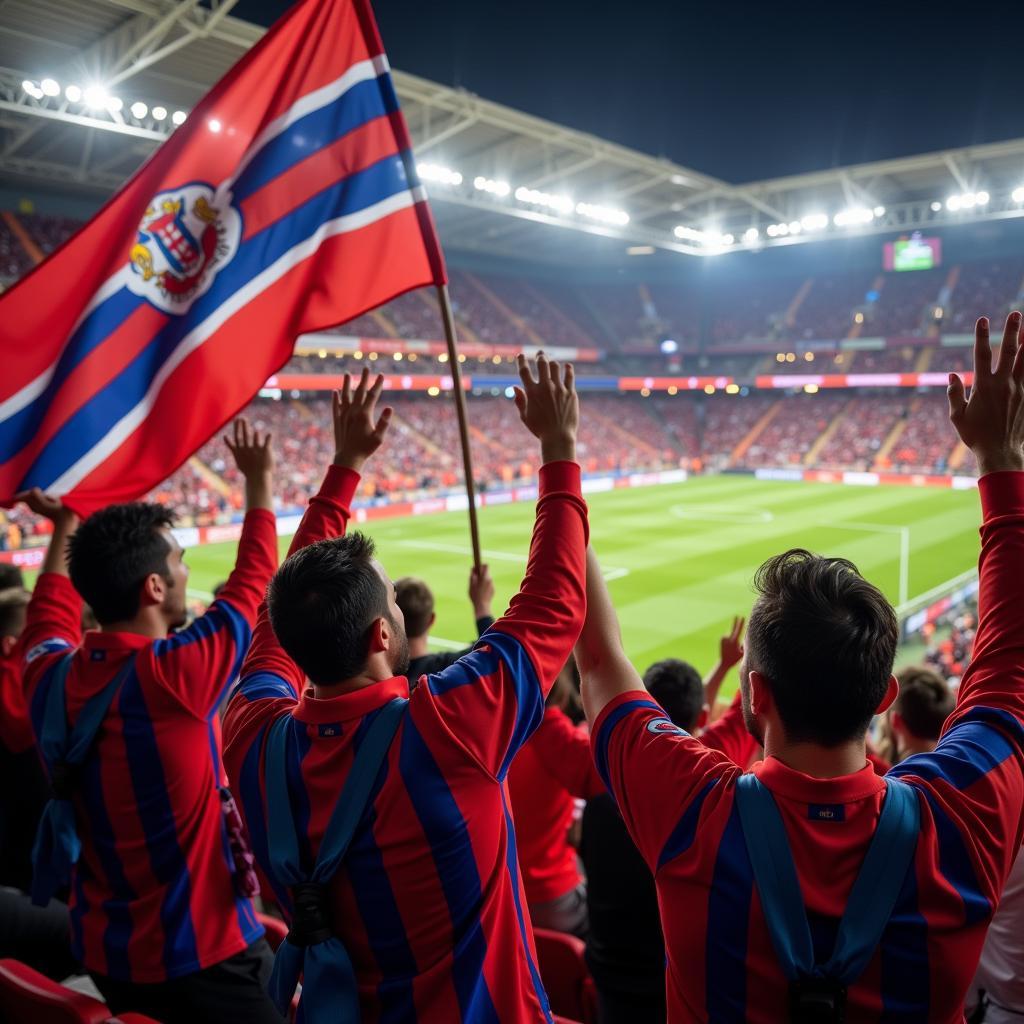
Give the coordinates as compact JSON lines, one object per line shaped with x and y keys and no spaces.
{"x":128,"y":424}
{"x":361,"y":72}
{"x":30,"y":392}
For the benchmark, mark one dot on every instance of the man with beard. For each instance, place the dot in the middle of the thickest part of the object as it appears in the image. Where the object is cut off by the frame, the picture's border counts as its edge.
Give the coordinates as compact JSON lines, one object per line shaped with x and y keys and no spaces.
{"x":812,"y":888}
{"x":126,"y":725}
{"x":414,"y":910}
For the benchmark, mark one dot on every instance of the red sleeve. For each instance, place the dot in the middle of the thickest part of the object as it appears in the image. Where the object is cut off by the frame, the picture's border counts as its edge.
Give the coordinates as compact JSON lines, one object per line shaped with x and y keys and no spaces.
{"x":491,"y":700}
{"x":729,"y":735}
{"x":197,"y":665}
{"x":53,"y":623}
{"x":660,"y":776}
{"x":973,"y":782}
{"x":564,"y":750}
{"x":269,"y":677}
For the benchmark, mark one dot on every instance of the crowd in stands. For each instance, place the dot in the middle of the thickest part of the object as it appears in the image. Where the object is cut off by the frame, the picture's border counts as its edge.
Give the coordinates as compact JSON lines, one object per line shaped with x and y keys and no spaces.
{"x":459,"y":794}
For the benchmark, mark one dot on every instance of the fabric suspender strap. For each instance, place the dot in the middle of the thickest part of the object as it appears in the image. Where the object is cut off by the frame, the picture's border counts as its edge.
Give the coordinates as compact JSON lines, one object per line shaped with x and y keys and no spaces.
{"x":312,"y":949}
{"x":872,"y":899}
{"x":57,"y":846}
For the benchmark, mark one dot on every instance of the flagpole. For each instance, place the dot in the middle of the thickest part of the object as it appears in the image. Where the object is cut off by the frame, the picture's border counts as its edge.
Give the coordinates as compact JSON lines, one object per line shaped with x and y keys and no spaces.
{"x":460,"y":408}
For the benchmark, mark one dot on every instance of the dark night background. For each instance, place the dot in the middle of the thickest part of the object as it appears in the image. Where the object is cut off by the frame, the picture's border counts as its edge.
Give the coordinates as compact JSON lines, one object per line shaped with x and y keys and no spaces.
{"x":741,"y":91}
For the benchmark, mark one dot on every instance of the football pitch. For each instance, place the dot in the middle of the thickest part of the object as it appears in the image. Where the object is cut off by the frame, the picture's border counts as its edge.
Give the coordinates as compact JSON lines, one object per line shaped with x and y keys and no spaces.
{"x":680,"y":558}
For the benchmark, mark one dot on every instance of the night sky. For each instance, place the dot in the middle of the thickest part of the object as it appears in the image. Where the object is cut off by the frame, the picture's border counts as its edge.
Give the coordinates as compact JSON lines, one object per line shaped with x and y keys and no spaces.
{"x":741,"y":91}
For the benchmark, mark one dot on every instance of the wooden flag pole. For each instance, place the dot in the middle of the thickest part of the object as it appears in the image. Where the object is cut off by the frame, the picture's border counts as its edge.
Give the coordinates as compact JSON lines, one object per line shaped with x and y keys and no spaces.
{"x":460,"y":408}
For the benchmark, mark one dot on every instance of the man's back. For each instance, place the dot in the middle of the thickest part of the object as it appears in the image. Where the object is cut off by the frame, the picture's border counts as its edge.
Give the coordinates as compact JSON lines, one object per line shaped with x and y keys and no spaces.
{"x":152,"y":895}
{"x":429,"y":902}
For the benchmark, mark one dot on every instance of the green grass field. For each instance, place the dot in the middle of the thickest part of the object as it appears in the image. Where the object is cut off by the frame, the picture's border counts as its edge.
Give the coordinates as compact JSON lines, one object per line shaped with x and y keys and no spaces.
{"x":680,"y":558}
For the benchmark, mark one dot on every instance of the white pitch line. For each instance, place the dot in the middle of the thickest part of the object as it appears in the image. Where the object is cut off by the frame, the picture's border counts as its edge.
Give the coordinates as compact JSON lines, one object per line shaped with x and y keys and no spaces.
{"x":937,"y":591}
{"x":747,"y":516}
{"x":447,"y":645}
{"x":904,"y":535}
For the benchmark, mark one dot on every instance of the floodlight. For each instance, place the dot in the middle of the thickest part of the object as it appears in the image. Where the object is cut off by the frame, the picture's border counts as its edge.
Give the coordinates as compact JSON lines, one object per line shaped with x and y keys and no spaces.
{"x":982,"y":198}
{"x":73,"y":93}
{"x":953,"y":203}
{"x":751,"y":235}
{"x":879,"y":211}
{"x":178,"y":117}
{"x":214,"y":125}
{"x":32,"y":89}
{"x":814,"y":222}
{"x":669,"y":346}
{"x":1018,"y":195}
{"x":49,"y":87}
{"x":936,"y":206}
{"x":139,"y":110}
{"x":159,"y":113}
{"x":114,"y":104}
{"x":795,"y":227}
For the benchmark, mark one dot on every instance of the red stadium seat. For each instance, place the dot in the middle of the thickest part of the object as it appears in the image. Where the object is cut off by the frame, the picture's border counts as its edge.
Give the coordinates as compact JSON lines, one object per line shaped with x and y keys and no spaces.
{"x":27,"y":995}
{"x":275,"y":928}
{"x":564,"y":972}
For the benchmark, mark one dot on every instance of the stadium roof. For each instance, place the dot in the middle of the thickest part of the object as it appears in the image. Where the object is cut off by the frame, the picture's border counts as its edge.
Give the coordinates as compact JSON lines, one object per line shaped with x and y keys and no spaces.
{"x":502,"y":181}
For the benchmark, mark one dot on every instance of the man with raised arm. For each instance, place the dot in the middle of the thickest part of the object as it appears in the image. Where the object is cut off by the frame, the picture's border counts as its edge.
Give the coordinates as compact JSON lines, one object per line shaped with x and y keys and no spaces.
{"x":414,"y":911}
{"x":853,"y":927}
{"x":126,"y":726}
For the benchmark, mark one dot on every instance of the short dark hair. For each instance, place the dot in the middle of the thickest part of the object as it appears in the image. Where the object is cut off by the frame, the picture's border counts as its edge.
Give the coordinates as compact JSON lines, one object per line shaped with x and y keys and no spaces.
{"x":11,"y":576}
{"x":825,"y":639}
{"x":677,"y":686}
{"x":415,"y":599}
{"x":925,"y":701}
{"x":322,"y":602}
{"x":111,"y":554}
{"x":13,"y":604}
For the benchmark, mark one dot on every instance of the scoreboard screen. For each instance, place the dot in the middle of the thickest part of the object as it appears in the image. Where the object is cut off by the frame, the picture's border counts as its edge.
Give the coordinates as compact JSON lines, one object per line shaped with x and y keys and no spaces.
{"x":914,"y":253}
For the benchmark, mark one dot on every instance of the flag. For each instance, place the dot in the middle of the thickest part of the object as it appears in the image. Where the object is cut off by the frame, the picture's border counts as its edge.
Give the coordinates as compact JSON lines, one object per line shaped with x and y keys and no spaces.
{"x":287,"y":202}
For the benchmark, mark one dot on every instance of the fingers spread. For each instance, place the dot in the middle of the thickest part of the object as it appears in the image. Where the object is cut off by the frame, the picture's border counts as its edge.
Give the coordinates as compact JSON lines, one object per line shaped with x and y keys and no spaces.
{"x":525,"y":375}
{"x":346,"y":390}
{"x":543,"y":368}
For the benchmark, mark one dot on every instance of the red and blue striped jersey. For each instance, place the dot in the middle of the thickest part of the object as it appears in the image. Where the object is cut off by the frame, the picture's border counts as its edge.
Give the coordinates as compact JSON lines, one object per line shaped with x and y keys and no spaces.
{"x":152,"y":896}
{"x":429,"y":902}
{"x":677,"y":798}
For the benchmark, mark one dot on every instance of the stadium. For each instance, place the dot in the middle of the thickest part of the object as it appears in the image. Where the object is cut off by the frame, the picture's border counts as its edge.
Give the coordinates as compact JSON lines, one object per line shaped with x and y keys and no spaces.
{"x":761,"y":366}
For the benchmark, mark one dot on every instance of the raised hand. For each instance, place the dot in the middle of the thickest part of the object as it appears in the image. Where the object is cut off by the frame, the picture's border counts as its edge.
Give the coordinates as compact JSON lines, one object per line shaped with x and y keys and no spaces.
{"x":43,"y":504}
{"x":731,"y":645}
{"x":255,"y":460}
{"x":549,"y":406}
{"x":991,"y":421}
{"x":251,"y":449}
{"x":357,"y":435}
{"x":481,"y":590}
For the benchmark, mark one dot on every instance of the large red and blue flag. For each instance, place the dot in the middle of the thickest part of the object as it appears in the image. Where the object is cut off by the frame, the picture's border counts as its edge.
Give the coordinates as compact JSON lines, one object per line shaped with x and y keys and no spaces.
{"x":287,"y":202}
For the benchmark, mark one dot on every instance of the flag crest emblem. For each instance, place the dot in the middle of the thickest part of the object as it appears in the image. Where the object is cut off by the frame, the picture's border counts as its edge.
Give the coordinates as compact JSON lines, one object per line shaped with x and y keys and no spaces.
{"x":185,"y":237}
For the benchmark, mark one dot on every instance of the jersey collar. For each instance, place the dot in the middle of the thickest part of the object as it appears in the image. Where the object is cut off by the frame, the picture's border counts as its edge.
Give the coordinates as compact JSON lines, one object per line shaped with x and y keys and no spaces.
{"x":794,"y":785}
{"x":351,"y":705}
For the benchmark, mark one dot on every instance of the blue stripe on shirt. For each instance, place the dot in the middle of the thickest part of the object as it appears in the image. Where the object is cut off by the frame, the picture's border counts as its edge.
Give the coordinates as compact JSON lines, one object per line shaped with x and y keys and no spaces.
{"x":604,"y":735}
{"x":683,"y":835}
{"x":251,"y":795}
{"x":265,"y":686}
{"x":512,"y":863}
{"x":378,"y":908}
{"x":732,"y":887}
{"x":452,"y":852}
{"x":156,"y":815}
{"x":903,"y":951}
{"x":970,"y":750}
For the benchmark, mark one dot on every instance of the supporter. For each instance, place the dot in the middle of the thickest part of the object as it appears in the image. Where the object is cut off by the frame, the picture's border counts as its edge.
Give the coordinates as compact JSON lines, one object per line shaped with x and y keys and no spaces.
{"x":416,"y":600}
{"x":160,"y":909}
{"x":25,"y":790}
{"x":997,"y":992}
{"x":625,"y":947}
{"x":817,"y":666}
{"x":553,"y":770}
{"x":426,"y":901}
{"x":914,"y":722}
